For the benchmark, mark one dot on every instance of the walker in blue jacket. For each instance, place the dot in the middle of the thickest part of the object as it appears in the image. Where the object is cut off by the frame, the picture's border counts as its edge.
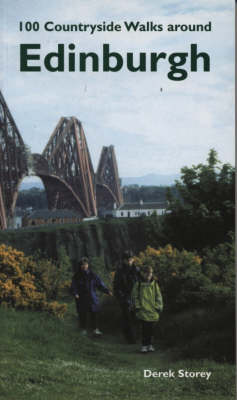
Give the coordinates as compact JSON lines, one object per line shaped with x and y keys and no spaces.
{"x":84,"y":285}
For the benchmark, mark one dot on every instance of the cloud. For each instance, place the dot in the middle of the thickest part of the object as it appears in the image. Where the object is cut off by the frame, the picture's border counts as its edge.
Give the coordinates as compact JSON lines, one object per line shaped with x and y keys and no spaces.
{"x":162,"y":129}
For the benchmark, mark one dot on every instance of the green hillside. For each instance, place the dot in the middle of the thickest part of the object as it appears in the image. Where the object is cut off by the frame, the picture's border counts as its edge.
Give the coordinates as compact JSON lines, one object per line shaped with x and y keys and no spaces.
{"x":44,"y":358}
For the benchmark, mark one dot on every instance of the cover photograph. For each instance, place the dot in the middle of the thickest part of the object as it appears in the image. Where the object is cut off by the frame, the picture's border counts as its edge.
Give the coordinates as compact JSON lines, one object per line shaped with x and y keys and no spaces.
{"x":117,"y":182}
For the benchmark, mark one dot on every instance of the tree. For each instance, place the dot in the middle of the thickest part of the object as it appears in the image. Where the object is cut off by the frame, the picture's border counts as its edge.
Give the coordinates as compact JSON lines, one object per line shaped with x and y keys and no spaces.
{"x":204,"y":213}
{"x":34,"y":197}
{"x":135,"y":193}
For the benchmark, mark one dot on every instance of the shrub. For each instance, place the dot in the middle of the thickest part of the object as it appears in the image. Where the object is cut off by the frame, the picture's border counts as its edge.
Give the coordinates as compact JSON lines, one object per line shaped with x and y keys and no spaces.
{"x":49,"y":278}
{"x":179,"y":274}
{"x":98,"y":266}
{"x":187,"y":280}
{"x":219,"y":266}
{"x":199,"y":299}
{"x":22,"y":283}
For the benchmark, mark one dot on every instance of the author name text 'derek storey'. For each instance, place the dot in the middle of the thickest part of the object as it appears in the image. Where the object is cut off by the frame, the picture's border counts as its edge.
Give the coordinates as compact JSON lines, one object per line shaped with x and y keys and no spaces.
{"x":181,"y":373}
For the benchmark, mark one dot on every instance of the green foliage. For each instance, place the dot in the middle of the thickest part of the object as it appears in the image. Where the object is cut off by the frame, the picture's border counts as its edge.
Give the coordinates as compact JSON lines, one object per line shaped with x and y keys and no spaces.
{"x":135,"y":193}
{"x":199,"y":298}
{"x":204,"y":213}
{"x":219,"y":266}
{"x":27,"y":284}
{"x":153,"y":230}
{"x":102,"y":238}
{"x":98,"y":266}
{"x":53,"y":277}
{"x":187,"y":280}
{"x":64,"y":263}
{"x":179,"y":274}
{"x":34,"y":197}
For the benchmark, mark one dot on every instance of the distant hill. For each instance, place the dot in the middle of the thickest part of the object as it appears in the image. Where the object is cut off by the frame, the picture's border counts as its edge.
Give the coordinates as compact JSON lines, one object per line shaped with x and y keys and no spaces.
{"x":151,"y":180}
{"x":29,"y":185}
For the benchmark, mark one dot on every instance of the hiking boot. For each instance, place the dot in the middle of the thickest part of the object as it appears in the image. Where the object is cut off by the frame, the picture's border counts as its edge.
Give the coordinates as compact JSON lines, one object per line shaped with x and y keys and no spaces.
{"x":144,"y":349}
{"x":84,"y":332}
{"x":97,"y":332}
{"x":151,"y":348}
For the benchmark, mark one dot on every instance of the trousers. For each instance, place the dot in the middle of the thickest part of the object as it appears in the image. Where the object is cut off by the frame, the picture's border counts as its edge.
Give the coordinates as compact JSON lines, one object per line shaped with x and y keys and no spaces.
{"x":83,"y":318}
{"x":147,"y":332}
{"x":85,"y":315}
{"x":128,"y":324}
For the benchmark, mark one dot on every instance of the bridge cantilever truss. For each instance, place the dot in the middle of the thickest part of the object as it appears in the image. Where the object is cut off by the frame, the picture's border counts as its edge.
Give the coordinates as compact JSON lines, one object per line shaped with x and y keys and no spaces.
{"x":3,"y":219}
{"x":65,"y":168}
{"x":107,"y":180}
{"x":13,"y":162}
{"x":69,"y":159}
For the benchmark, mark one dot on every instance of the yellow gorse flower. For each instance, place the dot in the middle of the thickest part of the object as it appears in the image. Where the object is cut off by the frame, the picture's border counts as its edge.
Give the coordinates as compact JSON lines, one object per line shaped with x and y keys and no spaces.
{"x":18,"y":283}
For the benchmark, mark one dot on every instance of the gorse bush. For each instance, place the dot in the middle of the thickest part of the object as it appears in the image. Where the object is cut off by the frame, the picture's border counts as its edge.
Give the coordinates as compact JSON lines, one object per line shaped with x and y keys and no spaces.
{"x":50,"y":277}
{"x":26,"y":284}
{"x":179,"y":274}
{"x":187,"y":280}
{"x":199,"y":299}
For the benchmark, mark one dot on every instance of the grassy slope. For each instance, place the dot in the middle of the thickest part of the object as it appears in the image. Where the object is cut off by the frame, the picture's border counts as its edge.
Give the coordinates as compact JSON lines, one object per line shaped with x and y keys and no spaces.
{"x":43,"y":358}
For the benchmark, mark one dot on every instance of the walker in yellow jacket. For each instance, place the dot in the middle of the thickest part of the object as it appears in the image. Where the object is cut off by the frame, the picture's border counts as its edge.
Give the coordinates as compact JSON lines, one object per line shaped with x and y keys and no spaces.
{"x":148,"y":304}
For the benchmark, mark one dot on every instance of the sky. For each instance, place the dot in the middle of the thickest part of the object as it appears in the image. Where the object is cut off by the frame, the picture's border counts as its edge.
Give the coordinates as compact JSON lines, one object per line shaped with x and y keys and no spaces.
{"x":156,"y":125}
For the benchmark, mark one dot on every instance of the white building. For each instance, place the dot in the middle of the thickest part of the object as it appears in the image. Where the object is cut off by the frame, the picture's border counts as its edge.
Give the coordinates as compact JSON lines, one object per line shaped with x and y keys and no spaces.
{"x":132,"y":210}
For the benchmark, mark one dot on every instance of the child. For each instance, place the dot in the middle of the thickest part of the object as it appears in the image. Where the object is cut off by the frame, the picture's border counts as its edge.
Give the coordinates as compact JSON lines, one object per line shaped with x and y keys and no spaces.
{"x":148,"y":303}
{"x":84,"y":285}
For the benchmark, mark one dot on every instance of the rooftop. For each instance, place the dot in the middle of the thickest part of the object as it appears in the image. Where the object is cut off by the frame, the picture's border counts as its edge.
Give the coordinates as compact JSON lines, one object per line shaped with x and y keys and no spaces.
{"x":46,"y":214}
{"x":143,"y":206}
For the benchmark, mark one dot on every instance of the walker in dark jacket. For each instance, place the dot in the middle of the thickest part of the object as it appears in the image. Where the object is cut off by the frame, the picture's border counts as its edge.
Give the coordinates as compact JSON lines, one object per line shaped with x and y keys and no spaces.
{"x":84,"y":286}
{"x":125,"y":278}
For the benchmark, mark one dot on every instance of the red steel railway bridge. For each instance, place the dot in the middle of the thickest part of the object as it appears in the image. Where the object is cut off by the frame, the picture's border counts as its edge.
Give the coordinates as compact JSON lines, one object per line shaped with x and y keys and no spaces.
{"x":65,"y":168}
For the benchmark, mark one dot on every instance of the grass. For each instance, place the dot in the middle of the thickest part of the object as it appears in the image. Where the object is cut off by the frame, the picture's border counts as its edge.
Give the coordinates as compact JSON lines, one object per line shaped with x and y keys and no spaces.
{"x":43,"y":358}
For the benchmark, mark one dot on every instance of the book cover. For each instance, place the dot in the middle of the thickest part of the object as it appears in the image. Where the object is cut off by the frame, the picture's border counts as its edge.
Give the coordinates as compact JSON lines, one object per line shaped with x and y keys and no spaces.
{"x":117,"y":135}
